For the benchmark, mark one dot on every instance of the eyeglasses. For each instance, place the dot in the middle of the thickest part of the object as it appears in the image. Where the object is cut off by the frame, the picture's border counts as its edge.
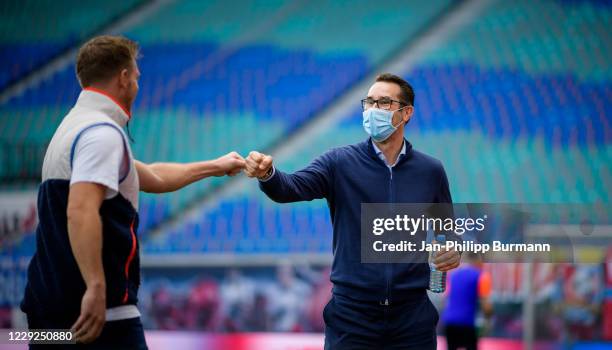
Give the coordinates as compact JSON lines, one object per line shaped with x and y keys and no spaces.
{"x":382,"y":103}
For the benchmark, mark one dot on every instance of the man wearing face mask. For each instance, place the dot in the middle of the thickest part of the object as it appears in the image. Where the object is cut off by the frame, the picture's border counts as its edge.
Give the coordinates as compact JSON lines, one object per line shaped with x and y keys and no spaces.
{"x":374,"y":306}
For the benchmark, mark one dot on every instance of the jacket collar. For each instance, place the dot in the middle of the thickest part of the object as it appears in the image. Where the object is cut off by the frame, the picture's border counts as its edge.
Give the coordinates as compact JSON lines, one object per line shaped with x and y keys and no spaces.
{"x":100,"y":100}
{"x":372,"y":152}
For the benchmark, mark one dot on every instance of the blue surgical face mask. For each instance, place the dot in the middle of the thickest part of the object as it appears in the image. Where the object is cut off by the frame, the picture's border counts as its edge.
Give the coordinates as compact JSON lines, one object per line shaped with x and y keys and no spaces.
{"x":378,"y":123}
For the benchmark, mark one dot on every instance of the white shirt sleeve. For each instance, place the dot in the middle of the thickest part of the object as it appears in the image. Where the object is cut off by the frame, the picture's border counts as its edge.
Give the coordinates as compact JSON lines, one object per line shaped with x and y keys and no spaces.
{"x":99,"y":157}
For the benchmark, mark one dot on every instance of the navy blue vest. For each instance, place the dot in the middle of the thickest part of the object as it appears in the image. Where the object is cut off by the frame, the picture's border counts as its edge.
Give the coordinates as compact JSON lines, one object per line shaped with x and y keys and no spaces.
{"x":55,"y":286}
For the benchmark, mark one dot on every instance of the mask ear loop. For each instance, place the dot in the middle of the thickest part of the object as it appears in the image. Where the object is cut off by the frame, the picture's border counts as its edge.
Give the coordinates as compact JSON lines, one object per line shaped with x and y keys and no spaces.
{"x":402,"y":120}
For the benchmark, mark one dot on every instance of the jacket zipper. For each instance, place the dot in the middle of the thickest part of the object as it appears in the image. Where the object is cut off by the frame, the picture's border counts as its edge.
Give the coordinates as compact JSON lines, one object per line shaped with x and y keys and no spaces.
{"x":129,"y":261}
{"x":388,"y":266}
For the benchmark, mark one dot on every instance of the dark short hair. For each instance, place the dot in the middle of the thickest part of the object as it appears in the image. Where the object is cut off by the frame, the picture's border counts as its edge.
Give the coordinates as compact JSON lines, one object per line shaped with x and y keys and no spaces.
{"x":407,"y":91}
{"x":102,"y":57}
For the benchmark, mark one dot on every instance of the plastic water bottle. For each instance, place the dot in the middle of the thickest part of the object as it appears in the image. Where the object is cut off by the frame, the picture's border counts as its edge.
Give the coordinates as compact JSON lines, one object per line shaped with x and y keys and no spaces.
{"x":437,"y":279}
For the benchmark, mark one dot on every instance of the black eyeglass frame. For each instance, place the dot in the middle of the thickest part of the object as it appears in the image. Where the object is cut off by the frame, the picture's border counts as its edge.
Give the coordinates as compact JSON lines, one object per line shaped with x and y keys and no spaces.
{"x":374,"y":102}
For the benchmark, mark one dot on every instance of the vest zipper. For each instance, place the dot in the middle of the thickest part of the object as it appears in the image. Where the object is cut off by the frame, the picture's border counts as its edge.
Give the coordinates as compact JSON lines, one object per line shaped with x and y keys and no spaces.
{"x":129,"y":261}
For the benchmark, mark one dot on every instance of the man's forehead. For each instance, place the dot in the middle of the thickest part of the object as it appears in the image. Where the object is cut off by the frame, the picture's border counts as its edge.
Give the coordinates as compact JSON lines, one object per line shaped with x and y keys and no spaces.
{"x":384,"y":89}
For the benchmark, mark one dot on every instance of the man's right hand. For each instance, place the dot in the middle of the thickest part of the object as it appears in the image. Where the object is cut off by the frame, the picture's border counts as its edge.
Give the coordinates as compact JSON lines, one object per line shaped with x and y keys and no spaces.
{"x":230,"y":164}
{"x":258,"y":164}
{"x":93,"y":315}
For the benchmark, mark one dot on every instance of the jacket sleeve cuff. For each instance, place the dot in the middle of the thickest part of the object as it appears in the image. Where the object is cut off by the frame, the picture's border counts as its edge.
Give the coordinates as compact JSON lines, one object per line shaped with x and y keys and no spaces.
{"x":269,"y":177}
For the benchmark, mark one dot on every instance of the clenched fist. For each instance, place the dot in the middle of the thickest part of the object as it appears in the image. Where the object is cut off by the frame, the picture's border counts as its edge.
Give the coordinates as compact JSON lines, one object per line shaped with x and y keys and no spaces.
{"x":229,"y":164}
{"x":258,"y":165}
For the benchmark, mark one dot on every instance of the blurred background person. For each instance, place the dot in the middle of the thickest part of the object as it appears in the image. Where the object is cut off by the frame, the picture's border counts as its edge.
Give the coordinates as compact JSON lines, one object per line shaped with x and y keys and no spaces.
{"x":287,"y":300}
{"x":468,"y":293}
{"x":237,"y":298}
{"x":202,"y":306}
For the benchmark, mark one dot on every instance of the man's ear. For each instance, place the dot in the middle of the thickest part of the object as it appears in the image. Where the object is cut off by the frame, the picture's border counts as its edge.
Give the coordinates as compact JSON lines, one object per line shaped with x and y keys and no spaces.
{"x":407,"y":115}
{"x":124,"y":78}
